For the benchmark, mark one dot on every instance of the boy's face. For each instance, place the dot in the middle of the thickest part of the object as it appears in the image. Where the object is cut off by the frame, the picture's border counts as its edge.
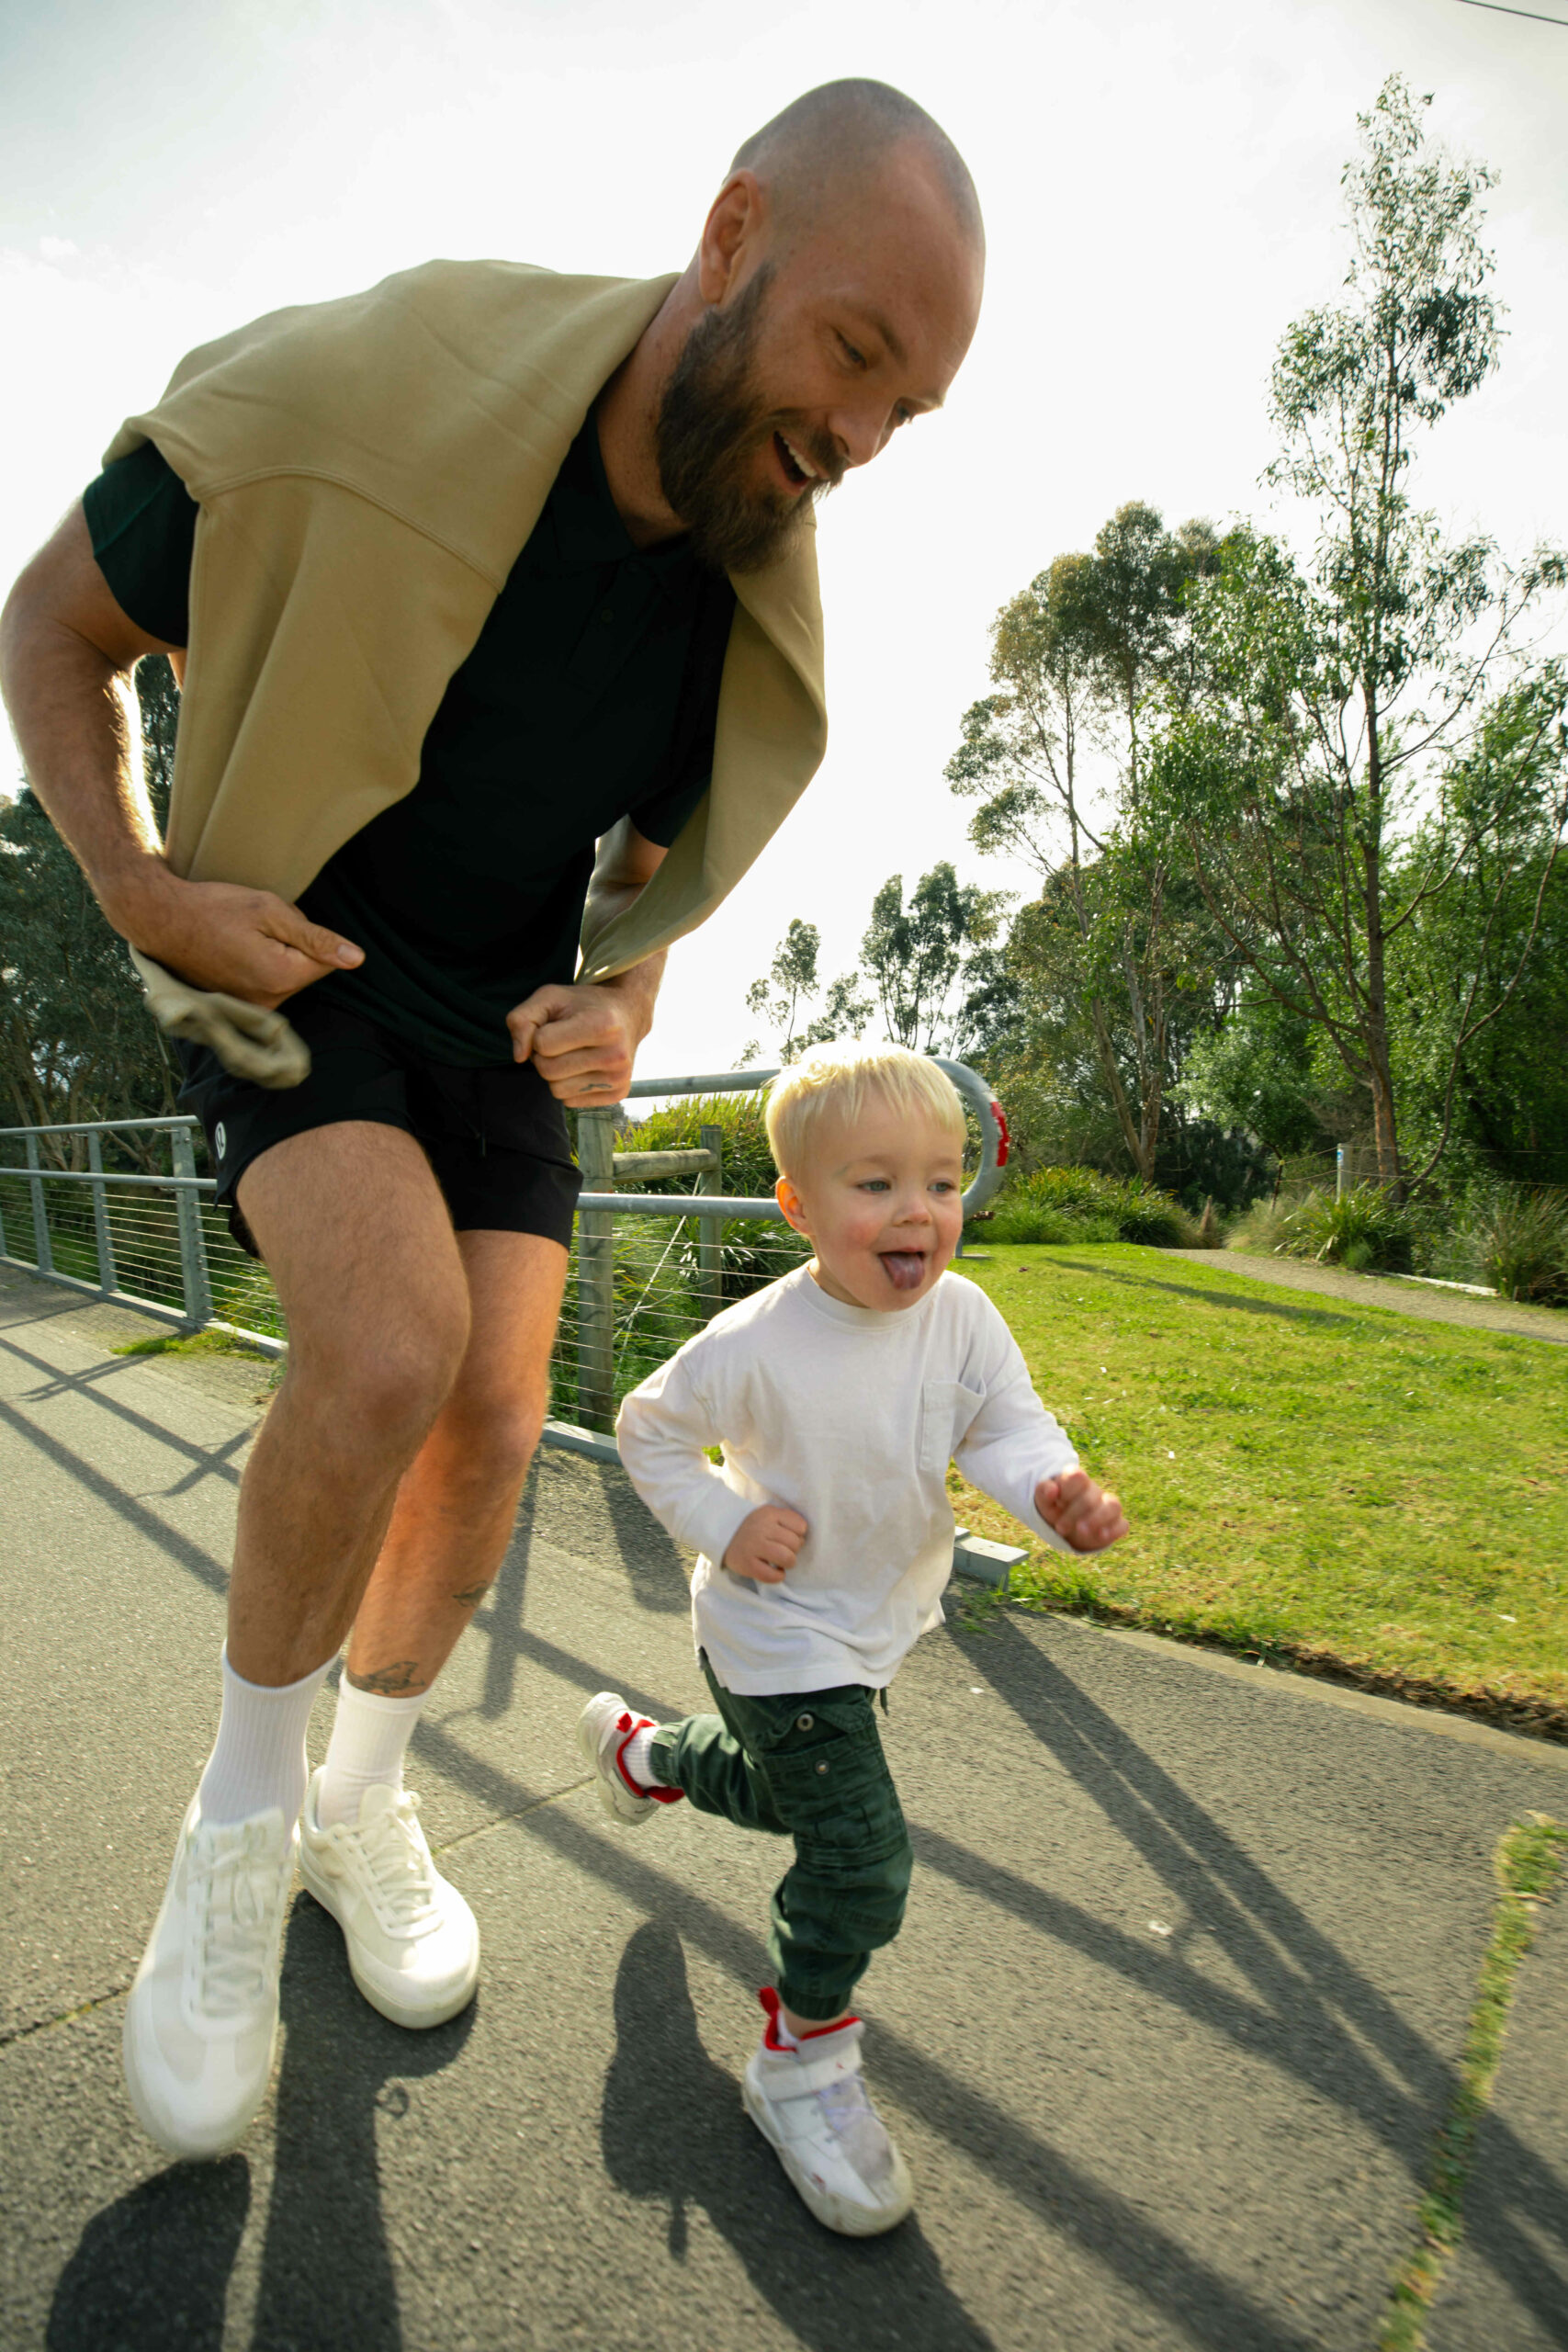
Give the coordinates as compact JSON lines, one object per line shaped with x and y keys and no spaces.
{"x":882,"y":1201}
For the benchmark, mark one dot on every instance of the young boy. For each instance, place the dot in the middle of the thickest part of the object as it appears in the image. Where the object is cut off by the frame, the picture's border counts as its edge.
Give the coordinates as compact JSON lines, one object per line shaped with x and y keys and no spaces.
{"x":839,"y":1396}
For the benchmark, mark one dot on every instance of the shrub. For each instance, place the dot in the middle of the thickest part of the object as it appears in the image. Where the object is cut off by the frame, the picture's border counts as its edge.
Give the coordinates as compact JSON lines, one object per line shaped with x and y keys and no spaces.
{"x":749,"y":1168}
{"x":1069,"y":1205}
{"x":1516,"y":1239}
{"x":1363,"y":1229}
{"x":1261,"y":1227}
{"x":753,"y":1252}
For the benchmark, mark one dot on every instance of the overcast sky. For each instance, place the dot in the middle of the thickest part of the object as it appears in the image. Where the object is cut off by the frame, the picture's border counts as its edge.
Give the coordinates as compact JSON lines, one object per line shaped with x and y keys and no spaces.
{"x":1161,"y":191}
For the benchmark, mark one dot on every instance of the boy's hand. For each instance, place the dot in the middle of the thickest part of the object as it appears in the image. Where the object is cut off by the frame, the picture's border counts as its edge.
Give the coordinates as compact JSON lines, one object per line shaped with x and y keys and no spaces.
{"x":1083,"y":1514}
{"x":764,"y":1546}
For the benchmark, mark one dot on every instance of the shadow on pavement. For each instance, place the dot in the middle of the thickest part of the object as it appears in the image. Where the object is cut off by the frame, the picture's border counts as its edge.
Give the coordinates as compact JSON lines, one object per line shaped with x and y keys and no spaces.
{"x":327,"y":2278}
{"x":152,"y":2268}
{"x":650,"y":1556}
{"x":1310,"y":2004}
{"x":654,"y":1570}
{"x":674,"y":2130}
{"x":501,"y":1618}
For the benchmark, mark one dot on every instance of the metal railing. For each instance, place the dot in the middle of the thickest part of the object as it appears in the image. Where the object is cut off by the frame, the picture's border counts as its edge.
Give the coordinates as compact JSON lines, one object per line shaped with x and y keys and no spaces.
{"x":648,"y":1268}
{"x":136,"y":1237}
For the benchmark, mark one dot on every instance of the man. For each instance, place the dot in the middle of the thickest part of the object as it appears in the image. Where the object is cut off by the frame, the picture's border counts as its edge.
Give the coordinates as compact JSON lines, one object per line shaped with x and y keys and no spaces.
{"x":400,"y":740}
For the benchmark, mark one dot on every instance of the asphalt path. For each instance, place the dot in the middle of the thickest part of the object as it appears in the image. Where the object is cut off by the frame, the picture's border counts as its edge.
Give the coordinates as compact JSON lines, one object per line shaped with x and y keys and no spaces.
{"x":1395,"y":1293}
{"x":1187,"y":1970}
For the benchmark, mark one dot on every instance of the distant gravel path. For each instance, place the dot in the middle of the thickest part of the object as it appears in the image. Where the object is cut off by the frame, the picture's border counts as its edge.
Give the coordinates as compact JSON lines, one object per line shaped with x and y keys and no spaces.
{"x":1399,"y":1297}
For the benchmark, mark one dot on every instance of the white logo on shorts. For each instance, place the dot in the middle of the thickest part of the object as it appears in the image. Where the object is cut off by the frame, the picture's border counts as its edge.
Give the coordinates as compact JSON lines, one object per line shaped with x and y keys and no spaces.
{"x":220,"y":1140}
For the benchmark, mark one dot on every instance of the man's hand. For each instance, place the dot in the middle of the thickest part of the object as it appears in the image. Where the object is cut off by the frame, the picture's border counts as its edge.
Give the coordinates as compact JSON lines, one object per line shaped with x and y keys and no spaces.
{"x":765,"y":1545}
{"x":581,"y":1040}
{"x":249,"y":944}
{"x":1083,"y":1514}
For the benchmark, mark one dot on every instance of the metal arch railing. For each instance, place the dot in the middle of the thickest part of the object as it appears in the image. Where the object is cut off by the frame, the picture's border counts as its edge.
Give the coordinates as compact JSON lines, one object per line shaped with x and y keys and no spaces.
{"x":988,"y":1111}
{"x":159,"y":1244}
{"x":139,"y":1235}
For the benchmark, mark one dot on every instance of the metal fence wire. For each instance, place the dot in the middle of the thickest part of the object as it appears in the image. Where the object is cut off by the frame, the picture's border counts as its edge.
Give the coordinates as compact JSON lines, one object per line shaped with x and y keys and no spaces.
{"x":81,"y":1205}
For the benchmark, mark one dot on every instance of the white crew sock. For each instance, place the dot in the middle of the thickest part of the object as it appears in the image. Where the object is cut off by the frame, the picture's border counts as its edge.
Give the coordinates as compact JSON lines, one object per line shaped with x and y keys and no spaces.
{"x":634,"y":1756}
{"x":259,"y":1759}
{"x":366,"y":1751}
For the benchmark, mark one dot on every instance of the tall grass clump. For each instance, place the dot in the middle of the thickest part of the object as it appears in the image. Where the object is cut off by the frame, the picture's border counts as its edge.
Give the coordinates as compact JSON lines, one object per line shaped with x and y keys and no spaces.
{"x":1364,"y":1229}
{"x":1516,"y":1238}
{"x":749,"y":1168}
{"x":1080,"y":1204}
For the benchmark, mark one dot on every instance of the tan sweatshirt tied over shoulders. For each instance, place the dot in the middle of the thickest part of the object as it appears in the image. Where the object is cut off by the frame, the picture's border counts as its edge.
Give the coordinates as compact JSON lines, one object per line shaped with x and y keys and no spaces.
{"x":368,"y":471}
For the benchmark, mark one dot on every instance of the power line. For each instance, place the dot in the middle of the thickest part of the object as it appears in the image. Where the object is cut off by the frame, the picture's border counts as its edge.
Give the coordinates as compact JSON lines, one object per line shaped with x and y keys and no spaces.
{"x":1497,"y":9}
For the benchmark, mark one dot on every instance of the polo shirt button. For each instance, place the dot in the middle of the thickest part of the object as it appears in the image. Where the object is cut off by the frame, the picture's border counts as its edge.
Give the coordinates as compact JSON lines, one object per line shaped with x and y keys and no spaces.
{"x":821,"y":1768}
{"x":804,"y":1723}
{"x":606,"y":615}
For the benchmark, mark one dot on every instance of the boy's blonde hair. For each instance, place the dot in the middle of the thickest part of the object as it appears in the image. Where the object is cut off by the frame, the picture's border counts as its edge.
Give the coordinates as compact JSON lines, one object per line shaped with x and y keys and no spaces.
{"x":835,"y":1080}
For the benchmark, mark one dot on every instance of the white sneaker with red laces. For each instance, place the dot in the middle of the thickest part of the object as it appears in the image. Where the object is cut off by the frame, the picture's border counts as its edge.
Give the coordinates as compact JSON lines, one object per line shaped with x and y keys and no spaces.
{"x":811,"y":2105}
{"x":605,"y":1729}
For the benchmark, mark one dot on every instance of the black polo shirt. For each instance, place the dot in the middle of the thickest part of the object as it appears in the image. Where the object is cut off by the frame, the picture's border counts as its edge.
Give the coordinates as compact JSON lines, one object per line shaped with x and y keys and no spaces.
{"x":591,"y":696}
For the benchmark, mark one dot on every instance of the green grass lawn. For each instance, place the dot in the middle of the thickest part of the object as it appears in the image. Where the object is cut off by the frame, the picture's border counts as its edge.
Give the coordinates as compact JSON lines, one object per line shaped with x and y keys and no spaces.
{"x":1307,"y":1479}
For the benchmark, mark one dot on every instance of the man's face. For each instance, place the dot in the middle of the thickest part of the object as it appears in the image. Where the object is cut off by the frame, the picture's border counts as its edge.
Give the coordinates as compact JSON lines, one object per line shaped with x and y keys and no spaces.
{"x":821,"y":348}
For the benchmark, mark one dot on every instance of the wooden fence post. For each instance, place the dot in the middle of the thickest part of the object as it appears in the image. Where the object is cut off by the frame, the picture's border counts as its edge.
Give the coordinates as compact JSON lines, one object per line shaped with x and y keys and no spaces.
{"x":597,"y":1273}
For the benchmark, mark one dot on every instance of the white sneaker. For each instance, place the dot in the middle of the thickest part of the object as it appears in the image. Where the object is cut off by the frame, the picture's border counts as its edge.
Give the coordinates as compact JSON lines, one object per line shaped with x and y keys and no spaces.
{"x":414,"y":1944}
{"x":201,"y":2022}
{"x":812,"y":2105}
{"x":604,"y":1729}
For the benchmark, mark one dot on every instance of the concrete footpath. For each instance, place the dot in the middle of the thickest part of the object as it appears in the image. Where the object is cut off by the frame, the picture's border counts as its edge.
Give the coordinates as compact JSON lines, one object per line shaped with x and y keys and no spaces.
{"x":1187,"y":1966}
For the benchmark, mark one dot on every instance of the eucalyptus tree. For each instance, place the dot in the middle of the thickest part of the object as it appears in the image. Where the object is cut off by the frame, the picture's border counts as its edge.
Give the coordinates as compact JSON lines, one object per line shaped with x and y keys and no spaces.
{"x":1368,"y":732}
{"x":790,"y":985}
{"x":914,"y":955}
{"x":1054,"y":757}
{"x":76,"y":1041}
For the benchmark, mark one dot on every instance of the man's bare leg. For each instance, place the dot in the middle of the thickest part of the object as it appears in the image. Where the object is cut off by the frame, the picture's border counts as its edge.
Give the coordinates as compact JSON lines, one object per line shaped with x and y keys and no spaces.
{"x":356,"y":1236}
{"x":455,"y":1508}
{"x":413,"y":1942}
{"x":366,"y":1265}
{"x":452,"y":1521}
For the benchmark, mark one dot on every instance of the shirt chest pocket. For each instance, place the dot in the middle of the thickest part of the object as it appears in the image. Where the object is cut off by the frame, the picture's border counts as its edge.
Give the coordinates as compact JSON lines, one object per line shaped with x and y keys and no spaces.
{"x":947,"y":1407}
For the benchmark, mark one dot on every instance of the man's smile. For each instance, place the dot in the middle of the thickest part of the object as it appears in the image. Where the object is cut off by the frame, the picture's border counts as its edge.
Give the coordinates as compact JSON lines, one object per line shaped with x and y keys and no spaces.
{"x":799,"y":470}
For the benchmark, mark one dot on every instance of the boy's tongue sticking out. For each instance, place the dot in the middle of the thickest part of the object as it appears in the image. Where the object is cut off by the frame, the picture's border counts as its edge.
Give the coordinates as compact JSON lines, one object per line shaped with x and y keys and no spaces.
{"x":877,"y":1186}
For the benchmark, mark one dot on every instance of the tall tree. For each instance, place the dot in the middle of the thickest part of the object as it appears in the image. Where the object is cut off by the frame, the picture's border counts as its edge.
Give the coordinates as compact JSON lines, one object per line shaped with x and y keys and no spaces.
{"x":1479,"y":978}
{"x":790,"y":985}
{"x":914,"y":955}
{"x":1341,"y":701}
{"x":789,"y":982}
{"x":1054,"y":757}
{"x":76,"y":1041}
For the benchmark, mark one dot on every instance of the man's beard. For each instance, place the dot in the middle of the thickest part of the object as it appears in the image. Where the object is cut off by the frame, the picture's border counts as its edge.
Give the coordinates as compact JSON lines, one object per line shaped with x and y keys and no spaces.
{"x":711,"y":425}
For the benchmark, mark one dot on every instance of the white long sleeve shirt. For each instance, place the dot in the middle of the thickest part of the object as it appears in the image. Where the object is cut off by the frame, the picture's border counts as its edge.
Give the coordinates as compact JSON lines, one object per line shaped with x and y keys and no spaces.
{"x":850,"y":1418}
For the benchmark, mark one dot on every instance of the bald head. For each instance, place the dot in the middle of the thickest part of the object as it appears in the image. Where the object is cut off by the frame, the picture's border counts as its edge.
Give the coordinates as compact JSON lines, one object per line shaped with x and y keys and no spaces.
{"x":834,"y":141}
{"x":830,"y":300}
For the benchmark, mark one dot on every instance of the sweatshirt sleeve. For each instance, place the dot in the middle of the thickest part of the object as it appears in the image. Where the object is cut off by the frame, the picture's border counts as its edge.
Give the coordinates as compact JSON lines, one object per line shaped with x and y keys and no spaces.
{"x":664,"y":1428}
{"x":1014,"y":1443}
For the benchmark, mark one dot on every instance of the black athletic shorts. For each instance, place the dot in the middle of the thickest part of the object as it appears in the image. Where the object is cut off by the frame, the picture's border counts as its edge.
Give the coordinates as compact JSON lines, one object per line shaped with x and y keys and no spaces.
{"x":495,"y":1137}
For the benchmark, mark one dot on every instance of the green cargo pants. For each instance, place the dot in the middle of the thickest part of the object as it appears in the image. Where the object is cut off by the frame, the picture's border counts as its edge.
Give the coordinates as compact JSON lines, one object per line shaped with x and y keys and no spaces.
{"x":808,"y":1766}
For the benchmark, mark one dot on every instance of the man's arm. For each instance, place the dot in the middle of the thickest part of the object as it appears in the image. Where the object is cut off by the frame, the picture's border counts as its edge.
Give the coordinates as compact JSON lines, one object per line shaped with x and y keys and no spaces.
{"x":582,"y":1039}
{"x":66,"y":654}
